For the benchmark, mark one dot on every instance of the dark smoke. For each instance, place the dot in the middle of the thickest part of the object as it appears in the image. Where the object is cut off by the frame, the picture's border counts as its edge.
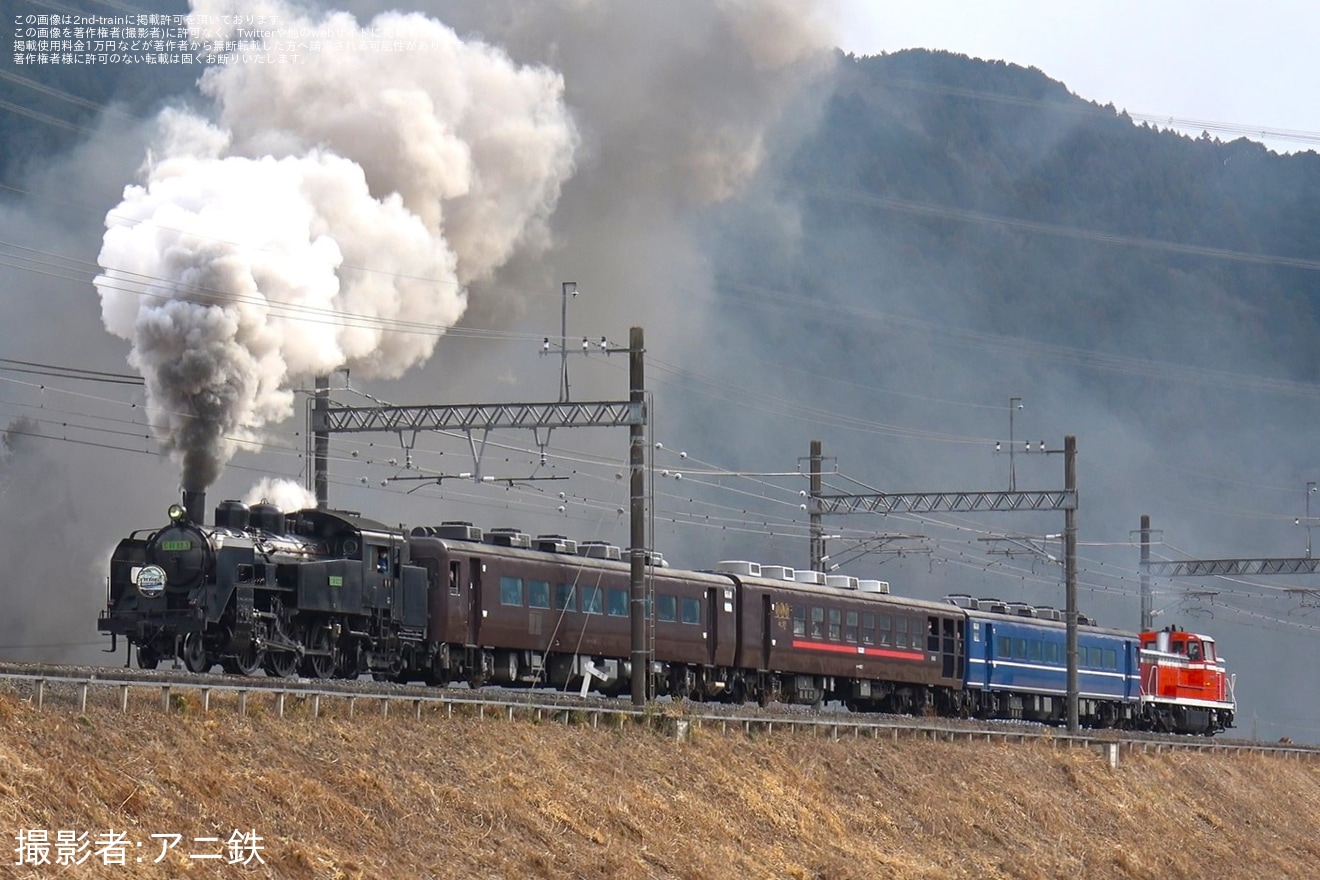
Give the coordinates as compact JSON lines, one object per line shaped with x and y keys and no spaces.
{"x":49,"y":590}
{"x":332,"y":217}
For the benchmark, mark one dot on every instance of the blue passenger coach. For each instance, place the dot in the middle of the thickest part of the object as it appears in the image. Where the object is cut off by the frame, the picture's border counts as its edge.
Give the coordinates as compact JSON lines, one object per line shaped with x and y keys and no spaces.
{"x":1017,"y":666}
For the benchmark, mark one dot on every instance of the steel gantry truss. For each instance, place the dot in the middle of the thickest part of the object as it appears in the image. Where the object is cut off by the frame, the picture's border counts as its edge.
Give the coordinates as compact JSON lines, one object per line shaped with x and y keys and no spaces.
{"x":972,"y":502}
{"x":480,"y":417}
{"x":950,"y":502}
{"x":327,"y":418}
{"x":1211,"y":568}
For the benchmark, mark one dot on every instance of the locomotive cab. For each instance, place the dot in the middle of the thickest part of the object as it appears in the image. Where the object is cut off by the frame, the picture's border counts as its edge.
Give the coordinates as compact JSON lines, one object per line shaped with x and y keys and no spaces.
{"x":1195,"y":648}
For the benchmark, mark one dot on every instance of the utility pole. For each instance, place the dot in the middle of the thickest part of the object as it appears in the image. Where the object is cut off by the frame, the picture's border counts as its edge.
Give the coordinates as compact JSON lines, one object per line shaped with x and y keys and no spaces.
{"x":638,"y":604}
{"x":817,"y":554}
{"x":321,"y":441}
{"x":1070,"y":574}
{"x":1310,"y":490}
{"x":1147,"y":601}
{"x":1014,"y":403}
{"x":568,"y":287}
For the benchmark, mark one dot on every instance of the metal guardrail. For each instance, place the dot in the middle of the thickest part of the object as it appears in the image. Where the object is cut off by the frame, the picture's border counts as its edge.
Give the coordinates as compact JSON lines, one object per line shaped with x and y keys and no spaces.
{"x":675,"y":719}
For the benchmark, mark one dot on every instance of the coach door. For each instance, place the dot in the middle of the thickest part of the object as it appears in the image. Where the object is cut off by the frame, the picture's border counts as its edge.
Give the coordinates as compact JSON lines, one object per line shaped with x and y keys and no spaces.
{"x":474,"y":601}
{"x":953,"y":648}
{"x":987,"y":651}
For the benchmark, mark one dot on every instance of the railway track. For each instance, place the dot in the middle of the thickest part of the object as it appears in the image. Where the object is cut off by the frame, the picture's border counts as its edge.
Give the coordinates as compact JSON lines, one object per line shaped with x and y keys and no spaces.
{"x":75,"y":688}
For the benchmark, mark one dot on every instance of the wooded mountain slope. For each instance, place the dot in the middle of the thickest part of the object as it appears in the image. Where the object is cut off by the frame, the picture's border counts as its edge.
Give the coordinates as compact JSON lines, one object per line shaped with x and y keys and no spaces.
{"x":934,"y":177}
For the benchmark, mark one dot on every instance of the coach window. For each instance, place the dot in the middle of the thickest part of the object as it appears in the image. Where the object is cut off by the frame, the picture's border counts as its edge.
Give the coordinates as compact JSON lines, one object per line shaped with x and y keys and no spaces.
{"x":691,"y":610}
{"x":511,"y":591}
{"x":850,"y":627}
{"x":818,"y":623}
{"x":799,"y":620}
{"x":591,"y":600}
{"x":453,"y":578}
{"x":565,"y":598}
{"x":868,"y":628}
{"x":1005,"y":648}
{"x":1033,"y":650}
{"x":666,"y":609}
{"x":616,"y":602}
{"x":1111,"y":658}
{"x":836,"y":625}
{"x":885,"y":638}
{"x":538,"y":594}
{"x":900,"y":632}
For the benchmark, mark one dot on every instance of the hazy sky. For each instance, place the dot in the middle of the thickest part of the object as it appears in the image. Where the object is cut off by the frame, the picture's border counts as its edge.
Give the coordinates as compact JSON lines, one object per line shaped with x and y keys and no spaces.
{"x":1215,"y":61}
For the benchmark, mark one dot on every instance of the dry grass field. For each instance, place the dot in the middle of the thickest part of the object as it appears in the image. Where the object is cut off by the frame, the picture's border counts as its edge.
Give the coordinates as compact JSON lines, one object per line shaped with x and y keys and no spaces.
{"x":399,"y":797}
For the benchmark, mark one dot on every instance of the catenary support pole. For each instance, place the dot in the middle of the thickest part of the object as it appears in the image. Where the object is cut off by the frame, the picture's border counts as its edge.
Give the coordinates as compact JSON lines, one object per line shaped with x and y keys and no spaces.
{"x":1070,"y":575}
{"x":321,"y":444}
{"x":639,"y":607}
{"x":1147,"y":602}
{"x":817,"y":553}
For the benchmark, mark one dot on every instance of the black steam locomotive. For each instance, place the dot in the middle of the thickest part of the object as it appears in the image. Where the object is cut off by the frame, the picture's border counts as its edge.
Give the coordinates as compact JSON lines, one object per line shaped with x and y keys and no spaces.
{"x":316,"y":593}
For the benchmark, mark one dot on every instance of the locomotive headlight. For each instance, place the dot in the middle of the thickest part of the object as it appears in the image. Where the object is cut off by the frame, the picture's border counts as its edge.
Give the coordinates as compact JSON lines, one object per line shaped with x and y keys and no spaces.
{"x":177,"y":513}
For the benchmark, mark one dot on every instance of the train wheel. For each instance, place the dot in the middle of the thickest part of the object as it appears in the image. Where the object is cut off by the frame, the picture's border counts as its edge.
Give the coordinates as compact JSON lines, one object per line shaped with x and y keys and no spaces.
{"x":322,"y":663}
{"x":349,"y":662}
{"x":281,"y":664}
{"x":194,"y":653}
{"x":245,"y":662}
{"x":147,"y":657}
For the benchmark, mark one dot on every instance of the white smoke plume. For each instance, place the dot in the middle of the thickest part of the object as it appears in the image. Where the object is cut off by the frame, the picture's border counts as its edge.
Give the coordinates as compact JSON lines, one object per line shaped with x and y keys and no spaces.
{"x":287,"y":495}
{"x":332,"y":218}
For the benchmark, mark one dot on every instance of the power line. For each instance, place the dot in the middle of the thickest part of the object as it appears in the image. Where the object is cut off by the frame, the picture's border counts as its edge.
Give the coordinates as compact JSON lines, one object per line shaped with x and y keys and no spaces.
{"x":948,"y":212}
{"x":63,"y":372}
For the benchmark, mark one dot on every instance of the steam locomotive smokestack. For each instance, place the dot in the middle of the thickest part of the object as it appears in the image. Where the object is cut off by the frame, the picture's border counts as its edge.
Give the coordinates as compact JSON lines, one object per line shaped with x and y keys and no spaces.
{"x":194,"y":501}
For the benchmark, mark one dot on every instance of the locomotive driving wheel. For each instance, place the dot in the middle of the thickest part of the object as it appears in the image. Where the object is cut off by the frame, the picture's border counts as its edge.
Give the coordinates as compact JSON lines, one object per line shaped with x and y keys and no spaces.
{"x":320,"y":659}
{"x":194,"y":653}
{"x":245,"y":662}
{"x":281,"y":664}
